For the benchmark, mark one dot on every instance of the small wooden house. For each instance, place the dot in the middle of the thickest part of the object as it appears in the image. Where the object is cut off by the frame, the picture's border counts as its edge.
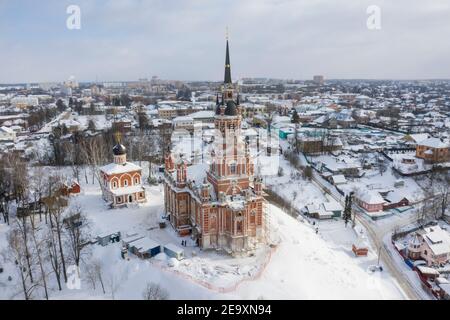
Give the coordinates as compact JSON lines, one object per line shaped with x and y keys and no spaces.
{"x":333,"y":207}
{"x":360,"y":247}
{"x":395,"y":199}
{"x":360,"y":251}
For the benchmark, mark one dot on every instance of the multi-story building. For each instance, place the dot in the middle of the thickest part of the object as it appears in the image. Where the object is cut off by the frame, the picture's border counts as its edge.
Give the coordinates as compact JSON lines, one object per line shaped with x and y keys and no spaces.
{"x":433,"y":150}
{"x":431,"y":244}
{"x":220,"y":204}
{"x":318,"y":79}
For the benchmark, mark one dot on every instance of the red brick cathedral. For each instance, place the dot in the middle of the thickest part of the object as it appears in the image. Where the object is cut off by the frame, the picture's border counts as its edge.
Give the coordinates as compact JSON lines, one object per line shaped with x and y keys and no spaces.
{"x":220,"y":204}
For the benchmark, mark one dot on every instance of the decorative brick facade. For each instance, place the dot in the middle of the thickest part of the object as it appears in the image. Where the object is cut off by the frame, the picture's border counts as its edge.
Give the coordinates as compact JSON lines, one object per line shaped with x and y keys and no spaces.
{"x":219,"y":204}
{"x":122,"y":180}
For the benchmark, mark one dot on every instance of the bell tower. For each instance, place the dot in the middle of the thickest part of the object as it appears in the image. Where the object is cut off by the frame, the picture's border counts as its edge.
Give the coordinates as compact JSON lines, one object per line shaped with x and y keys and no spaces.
{"x":229,"y":158}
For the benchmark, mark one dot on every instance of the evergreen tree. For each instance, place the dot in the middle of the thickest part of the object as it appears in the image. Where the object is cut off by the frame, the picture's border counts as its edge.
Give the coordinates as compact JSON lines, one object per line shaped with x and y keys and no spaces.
{"x":347,"y":209}
{"x":295,"y":117}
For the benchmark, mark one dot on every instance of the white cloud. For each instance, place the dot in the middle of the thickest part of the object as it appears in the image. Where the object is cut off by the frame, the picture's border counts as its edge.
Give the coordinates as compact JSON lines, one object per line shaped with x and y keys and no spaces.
{"x":128,"y":39}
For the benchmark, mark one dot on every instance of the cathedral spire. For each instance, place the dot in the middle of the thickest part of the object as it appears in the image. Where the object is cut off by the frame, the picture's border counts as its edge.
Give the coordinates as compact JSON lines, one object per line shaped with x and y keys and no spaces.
{"x":227,"y":79}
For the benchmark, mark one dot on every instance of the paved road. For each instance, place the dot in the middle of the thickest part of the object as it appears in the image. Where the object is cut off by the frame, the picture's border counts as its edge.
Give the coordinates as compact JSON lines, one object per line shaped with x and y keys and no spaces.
{"x":377,"y":234}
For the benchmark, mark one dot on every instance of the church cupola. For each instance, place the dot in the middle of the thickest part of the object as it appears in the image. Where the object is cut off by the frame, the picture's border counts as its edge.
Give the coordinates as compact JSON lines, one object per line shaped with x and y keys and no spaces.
{"x":120,"y":154}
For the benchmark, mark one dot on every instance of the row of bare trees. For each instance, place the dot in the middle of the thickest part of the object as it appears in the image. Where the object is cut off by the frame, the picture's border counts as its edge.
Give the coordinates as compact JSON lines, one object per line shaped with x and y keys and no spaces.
{"x":436,"y":204}
{"x":80,"y":149}
{"x":45,"y":234}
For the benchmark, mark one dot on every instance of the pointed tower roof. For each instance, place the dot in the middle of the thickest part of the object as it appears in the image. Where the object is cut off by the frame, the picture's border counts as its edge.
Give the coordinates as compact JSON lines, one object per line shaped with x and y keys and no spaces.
{"x":227,"y":78}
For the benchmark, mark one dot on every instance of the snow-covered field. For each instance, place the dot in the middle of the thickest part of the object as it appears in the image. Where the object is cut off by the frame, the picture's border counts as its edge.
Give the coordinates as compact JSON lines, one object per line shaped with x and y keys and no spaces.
{"x":304,"y":265}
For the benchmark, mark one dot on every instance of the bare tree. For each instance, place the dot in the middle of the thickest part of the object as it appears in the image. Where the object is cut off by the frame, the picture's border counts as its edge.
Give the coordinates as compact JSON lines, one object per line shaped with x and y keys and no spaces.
{"x":23,"y":230}
{"x":38,"y":186}
{"x":444,"y":196}
{"x":17,"y":254}
{"x":76,"y":225}
{"x":96,"y":271}
{"x":95,"y":153}
{"x":5,"y":189}
{"x":113,"y":282}
{"x":38,"y":244}
{"x":381,"y":164}
{"x":55,"y":203}
{"x":154,"y":291}
{"x":53,"y":253}
{"x":91,"y":275}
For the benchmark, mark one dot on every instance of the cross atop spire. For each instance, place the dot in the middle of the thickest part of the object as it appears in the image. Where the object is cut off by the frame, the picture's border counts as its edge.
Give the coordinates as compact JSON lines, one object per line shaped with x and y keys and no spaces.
{"x":227,"y":79}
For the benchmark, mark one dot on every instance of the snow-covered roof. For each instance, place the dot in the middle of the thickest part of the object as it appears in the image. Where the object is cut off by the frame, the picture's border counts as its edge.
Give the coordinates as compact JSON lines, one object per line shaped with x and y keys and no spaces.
{"x":427,"y":270}
{"x":312,"y":208}
{"x":437,"y":239}
{"x":370,"y":197}
{"x":145,"y":244}
{"x":174,"y":248}
{"x":202,"y":114}
{"x":419,"y":137}
{"x":182,"y":119}
{"x":416,"y":240}
{"x":433,"y":143}
{"x":197,"y":172}
{"x":332,"y":206}
{"x":339,"y":179}
{"x":114,"y":168}
{"x":395,"y":196}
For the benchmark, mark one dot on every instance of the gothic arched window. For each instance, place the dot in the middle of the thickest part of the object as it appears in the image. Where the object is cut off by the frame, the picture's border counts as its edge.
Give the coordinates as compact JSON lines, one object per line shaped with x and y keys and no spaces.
{"x":239,"y":226}
{"x":233,"y":168}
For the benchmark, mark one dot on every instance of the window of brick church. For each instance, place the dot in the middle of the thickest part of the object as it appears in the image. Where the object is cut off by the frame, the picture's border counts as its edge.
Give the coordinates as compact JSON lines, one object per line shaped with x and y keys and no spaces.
{"x":252,"y":216}
{"x":125,"y":183}
{"x":233,"y":168}
{"x":114,"y":184}
{"x":136,"y":180}
{"x":239,"y":226}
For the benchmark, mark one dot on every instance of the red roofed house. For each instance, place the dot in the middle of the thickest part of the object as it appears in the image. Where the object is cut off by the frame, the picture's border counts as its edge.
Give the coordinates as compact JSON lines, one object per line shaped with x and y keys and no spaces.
{"x":370,"y":200}
{"x":122,"y":180}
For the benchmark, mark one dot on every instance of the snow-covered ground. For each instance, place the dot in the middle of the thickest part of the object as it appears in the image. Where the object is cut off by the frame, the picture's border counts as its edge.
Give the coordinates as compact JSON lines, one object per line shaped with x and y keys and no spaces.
{"x":304,"y":265}
{"x":293,"y":187}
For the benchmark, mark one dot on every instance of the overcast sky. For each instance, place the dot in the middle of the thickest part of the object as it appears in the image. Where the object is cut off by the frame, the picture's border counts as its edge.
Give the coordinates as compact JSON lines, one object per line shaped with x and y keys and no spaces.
{"x":185,"y":39}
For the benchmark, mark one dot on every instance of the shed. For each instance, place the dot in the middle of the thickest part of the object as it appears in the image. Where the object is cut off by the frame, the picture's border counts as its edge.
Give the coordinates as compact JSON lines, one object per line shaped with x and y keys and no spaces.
{"x":333,"y":207}
{"x":360,"y":247}
{"x":322,"y":214}
{"x":312,"y":209}
{"x":338,"y":179}
{"x":284,"y":132}
{"x":173,"y":251}
{"x":107,"y":238}
{"x":126,"y":242}
{"x":145,"y":248}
